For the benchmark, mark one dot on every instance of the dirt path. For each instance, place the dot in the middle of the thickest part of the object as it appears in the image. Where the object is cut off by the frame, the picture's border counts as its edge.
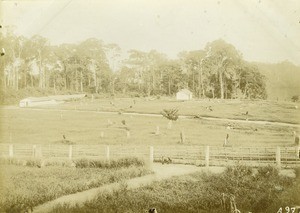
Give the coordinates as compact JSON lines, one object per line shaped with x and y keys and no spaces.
{"x":161,"y":172}
{"x":259,"y":122}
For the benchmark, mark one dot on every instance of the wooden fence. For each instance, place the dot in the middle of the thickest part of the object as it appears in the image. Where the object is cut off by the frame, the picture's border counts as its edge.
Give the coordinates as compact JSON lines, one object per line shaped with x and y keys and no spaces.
{"x":198,"y":155}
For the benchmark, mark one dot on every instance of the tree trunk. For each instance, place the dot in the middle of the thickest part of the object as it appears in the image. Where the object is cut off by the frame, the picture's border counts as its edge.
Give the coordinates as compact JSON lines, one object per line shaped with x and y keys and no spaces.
{"x":199,"y":84}
{"x":25,"y":79}
{"x":194,"y":82}
{"x":169,"y":86}
{"x":54,"y":86}
{"x":76,"y":81}
{"x":81,"y":84}
{"x":17,"y":78}
{"x":41,"y":72}
{"x":31,"y":78}
{"x":202,"y":87}
{"x":221,"y":83}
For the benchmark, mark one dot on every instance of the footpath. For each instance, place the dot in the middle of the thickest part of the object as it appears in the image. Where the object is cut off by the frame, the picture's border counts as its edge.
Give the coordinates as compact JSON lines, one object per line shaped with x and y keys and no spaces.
{"x":161,"y":172}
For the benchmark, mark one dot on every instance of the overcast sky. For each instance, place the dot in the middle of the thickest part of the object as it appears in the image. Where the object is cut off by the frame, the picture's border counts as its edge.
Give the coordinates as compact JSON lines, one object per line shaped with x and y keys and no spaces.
{"x":263,"y":30}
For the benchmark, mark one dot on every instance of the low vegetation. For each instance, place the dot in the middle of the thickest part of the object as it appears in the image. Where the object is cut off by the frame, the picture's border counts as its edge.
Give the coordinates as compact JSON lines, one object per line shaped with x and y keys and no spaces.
{"x":261,"y":191}
{"x":24,"y":187}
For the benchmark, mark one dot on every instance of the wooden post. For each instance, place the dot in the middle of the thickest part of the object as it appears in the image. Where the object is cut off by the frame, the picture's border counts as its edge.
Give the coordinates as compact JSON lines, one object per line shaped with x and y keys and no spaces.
{"x":128,"y":133}
{"x":169,"y":124}
{"x":70,"y":152}
{"x":34,"y":151}
{"x":107,"y":153}
{"x":11,"y":150}
{"x":182,"y":137}
{"x":157,"y":130}
{"x":151,"y":157}
{"x":40,"y":153}
{"x":278,"y":157}
{"x":298,"y":152}
{"x":207,"y":156}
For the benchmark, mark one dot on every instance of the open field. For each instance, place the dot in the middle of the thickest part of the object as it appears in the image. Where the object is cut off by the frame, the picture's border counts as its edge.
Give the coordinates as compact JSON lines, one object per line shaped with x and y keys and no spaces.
{"x":48,"y":127}
{"x":288,"y":112}
{"x":24,"y":187}
{"x":83,"y":123}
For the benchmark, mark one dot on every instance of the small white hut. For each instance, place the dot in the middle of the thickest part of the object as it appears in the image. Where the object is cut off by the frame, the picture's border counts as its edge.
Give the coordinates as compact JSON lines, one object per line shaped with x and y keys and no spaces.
{"x":49,"y":100}
{"x":184,"y":95}
{"x":36,"y":101}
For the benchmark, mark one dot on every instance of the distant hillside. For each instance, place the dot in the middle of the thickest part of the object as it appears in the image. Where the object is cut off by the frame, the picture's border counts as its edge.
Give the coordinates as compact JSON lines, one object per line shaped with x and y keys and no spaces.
{"x":282,"y":79}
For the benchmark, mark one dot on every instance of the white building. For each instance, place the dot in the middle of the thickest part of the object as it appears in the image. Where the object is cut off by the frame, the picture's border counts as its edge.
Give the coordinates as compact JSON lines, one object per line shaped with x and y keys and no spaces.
{"x":33,"y":101}
{"x":184,"y":95}
{"x":49,"y":100}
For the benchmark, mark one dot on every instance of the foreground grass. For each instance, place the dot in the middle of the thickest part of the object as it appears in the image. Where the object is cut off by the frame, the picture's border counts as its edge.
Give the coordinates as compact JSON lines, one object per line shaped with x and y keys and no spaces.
{"x":24,"y":187}
{"x":264,"y":191}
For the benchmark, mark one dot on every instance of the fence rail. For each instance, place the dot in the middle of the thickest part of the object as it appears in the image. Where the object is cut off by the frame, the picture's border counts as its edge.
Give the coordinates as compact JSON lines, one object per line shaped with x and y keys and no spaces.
{"x":199,"y":155}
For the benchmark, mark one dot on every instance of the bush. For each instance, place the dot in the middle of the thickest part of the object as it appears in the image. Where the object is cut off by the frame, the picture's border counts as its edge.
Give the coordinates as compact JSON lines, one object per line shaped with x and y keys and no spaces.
{"x":295,"y":98}
{"x":170,"y":114}
{"x":119,"y":163}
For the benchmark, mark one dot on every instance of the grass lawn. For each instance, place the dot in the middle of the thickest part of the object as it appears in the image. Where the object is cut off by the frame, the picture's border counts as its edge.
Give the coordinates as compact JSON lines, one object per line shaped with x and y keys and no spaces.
{"x":235,"y":109}
{"x":23,"y":187}
{"x":47,"y":127}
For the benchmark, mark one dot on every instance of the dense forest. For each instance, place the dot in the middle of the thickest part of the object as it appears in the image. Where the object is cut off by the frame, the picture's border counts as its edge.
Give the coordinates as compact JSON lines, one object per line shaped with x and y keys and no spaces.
{"x":92,"y":66}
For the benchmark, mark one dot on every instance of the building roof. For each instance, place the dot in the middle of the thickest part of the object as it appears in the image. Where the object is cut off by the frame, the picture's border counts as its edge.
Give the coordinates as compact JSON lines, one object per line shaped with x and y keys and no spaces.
{"x":186,"y":91}
{"x":54,"y":97}
{"x":36,"y":99}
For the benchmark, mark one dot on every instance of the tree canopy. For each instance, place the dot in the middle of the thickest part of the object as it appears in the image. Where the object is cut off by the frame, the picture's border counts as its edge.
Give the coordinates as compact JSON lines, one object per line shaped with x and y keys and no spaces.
{"x":217,"y":71}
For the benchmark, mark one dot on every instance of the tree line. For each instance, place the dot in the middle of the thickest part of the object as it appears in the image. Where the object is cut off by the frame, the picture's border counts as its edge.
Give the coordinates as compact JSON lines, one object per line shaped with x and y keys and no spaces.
{"x":92,"y":66}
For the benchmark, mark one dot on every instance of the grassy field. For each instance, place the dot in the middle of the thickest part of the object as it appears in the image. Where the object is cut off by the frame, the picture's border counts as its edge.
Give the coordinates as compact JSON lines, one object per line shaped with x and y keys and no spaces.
{"x":263,"y":191}
{"x":28,"y":186}
{"x":257,"y":110}
{"x":24,"y":187}
{"x":46,"y":127}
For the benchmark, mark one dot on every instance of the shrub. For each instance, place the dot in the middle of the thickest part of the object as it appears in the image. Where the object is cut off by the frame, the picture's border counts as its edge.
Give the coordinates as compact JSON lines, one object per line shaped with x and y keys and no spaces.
{"x":119,"y":163}
{"x":295,"y":98}
{"x":170,"y":114}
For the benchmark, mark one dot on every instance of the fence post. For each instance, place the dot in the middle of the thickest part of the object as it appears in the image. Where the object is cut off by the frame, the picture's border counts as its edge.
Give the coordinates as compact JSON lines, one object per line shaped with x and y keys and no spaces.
{"x":34,"y":151}
{"x":278,"y":157}
{"x":298,"y":152}
{"x":107,"y":153}
{"x":11,"y":150}
{"x":39,"y":151}
{"x":70,"y":152}
{"x":128,"y":133}
{"x":207,"y":156}
{"x":151,"y":156}
{"x":182,"y":137}
{"x":157,"y":130}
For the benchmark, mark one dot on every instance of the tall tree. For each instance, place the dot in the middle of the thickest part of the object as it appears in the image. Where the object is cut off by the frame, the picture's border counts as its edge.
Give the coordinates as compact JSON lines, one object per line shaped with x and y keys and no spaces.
{"x":220,"y":58}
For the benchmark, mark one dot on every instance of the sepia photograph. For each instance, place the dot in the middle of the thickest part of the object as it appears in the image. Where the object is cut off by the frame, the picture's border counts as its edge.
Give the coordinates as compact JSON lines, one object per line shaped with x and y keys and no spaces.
{"x":149,"y":106}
